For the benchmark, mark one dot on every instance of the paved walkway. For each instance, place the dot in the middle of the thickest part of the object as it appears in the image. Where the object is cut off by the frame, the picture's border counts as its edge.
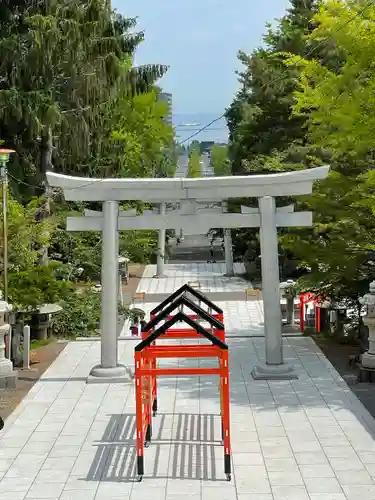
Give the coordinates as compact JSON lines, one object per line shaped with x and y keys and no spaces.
{"x":309,"y":439}
{"x":242,"y":319}
{"x":211,"y":277}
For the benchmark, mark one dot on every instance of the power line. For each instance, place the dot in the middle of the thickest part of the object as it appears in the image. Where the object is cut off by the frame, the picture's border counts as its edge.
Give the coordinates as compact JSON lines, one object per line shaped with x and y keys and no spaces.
{"x":308,"y":54}
{"x":89,"y":183}
{"x":203,"y":128}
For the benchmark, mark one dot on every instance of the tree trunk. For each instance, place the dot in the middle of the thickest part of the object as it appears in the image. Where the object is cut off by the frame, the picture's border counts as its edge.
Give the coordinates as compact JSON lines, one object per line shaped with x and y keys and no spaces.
{"x":45,"y":166}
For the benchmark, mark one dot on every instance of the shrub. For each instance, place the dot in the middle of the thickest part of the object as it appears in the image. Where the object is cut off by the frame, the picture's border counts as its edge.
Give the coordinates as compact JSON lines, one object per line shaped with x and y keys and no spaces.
{"x":80,"y":315}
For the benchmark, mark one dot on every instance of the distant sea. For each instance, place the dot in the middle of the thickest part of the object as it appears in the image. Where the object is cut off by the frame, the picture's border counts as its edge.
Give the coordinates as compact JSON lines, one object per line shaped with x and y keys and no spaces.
{"x":188,"y":124}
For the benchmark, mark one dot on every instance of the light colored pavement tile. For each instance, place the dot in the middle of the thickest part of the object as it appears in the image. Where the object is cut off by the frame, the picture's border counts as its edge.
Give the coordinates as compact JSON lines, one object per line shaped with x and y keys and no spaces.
{"x":281,"y":465}
{"x":105,"y":497}
{"x":78,"y":495}
{"x":115,"y":489}
{"x":248,"y":459}
{"x":363,"y":492}
{"x":52,"y":476}
{"x":256,"y":496}
{"x":252,"y":479}
{"x":80,"y":483}
{"x":345,"y":465}
{"x":290,"y":493}
{"x":322,"y":485}
{"x":5,"y":463}
{"x":45,"y":490}
{"x":14,"y":484}
{"x":311,"y":458}
{"x":301,"y":445}
{"x":9,"y":452}
{"x":367,"y":457}
{"x":340,"y":452}
{"x":275,"y":451}
{"x":285,"y":478}
{"x":328,"y":496}
{"x":61,"y":463}
{"x":309,"y":471}
{"x":155,"y":493}
{"x":178,"y":486}
{"x":183,"y":496}
{"x":223,"y":494}
{"x":71,"y":451}
{"x":246,"y":447}
{"x":12,"y":495}
{"x":361,"y":477}
{"x":370,"y":469}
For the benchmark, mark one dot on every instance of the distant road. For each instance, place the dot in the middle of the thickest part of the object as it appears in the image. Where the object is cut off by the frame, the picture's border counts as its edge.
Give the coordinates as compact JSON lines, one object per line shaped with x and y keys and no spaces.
{"x":182,"y":166}
{"x":183,"y":163}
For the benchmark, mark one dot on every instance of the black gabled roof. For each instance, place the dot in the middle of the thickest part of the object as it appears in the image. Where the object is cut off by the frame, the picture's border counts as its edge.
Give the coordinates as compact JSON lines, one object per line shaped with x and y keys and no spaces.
{"x":182,"y":300}
{"x":180,"y":316}
{"x":183,"y":290}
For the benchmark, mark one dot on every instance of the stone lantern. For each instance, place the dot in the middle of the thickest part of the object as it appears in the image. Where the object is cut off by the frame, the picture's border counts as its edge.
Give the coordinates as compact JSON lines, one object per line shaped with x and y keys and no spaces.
{"x":8,"y":377}
{"x":368,"y":300}
{"x":289,"y":292}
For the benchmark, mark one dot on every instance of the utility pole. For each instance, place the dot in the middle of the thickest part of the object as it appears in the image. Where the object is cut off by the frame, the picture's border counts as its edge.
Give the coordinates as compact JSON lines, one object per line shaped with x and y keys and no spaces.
{"x":4,"y":159}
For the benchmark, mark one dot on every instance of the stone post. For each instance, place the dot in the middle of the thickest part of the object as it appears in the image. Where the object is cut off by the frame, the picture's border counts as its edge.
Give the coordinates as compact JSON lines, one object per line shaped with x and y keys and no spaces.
{"x":289,"y":294}
{"x":160,"y":263}
{"x":109,"y":369}
{"x":368,"y":358}
{"x":228,"y":248}
{"x":26,"y":348}
{"x":229,"y":268}
{"x":8,"y":377}
{"x":275,"y":368}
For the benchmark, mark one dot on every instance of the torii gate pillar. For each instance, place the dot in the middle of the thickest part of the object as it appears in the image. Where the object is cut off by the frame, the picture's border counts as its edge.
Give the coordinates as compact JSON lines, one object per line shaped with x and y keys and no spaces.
{"x":109,"y":368}
{"x":228,"y":247}
{"x":274,"y":368}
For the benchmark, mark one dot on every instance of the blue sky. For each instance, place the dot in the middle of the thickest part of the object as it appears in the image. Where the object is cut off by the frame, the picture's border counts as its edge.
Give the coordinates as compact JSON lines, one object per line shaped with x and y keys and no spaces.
{"x":199,"y":40}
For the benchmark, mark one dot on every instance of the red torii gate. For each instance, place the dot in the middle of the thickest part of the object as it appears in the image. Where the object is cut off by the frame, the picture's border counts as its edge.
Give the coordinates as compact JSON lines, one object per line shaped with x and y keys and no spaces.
{"x":306,"y":298}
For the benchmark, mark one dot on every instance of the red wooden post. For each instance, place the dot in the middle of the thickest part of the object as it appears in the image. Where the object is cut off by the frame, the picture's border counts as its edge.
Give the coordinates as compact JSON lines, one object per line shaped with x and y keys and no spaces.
{"x":317,"y":318}
{"x":302,"y":313}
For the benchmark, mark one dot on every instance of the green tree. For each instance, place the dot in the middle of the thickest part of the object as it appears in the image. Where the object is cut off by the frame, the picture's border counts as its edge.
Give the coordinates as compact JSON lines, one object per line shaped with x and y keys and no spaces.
{"x":141,"y":137}
{"x":64,"y":67}
{"x":264,"y":135}
{"x":260,"y":118}
{"x":338,"y":103}
{"x":336,"y":106}
{"x":194,"y":166}
{"x":220,"y":161}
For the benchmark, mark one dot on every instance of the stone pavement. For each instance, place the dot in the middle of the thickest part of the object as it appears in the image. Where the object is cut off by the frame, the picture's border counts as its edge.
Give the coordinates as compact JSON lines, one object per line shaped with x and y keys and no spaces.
{"x":308,"y":439}
{"x":242,"y":319}
{"x":210,"y":276}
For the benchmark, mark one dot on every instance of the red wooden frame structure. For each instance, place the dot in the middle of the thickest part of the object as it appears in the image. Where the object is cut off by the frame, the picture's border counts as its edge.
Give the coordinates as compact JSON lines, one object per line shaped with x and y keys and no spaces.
{"x":306,"y":298}
{"x":187,"y":291}
{"x":146,"y":371}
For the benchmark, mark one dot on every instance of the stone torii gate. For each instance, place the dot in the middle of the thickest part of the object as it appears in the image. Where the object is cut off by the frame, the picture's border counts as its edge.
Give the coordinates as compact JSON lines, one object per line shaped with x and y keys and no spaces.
{"x":189,"y":192}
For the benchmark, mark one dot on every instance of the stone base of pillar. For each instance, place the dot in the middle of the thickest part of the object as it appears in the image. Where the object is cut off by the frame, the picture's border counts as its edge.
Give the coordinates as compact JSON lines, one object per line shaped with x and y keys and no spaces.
{"x":157,"y":276}
{"x":274,"y":372}
{"x":368,"y":360}
{"x":8,"y":381}
{"x":228,"y":275}
{"x":118,"y":375}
